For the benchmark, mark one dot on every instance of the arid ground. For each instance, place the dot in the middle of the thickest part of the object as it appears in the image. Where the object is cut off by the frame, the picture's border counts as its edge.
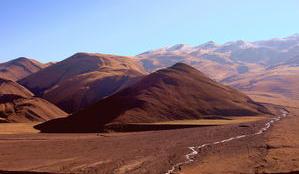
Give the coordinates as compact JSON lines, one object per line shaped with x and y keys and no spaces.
{"x":274,"y":151}
{"x":277,"y":151}
{"x":149,"y":87}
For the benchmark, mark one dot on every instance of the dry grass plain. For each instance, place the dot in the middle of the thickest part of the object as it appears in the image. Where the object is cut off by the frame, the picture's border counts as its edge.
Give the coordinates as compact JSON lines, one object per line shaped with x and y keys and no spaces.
{"x":18,"y":128}
{"x":212,"y":122}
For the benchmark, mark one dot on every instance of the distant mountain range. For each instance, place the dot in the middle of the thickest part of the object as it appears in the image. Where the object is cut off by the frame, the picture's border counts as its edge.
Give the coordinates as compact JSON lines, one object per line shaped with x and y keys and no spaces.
{"x":266,"y":70}
{"x":269,"y":66}
{"x":223,"y":61}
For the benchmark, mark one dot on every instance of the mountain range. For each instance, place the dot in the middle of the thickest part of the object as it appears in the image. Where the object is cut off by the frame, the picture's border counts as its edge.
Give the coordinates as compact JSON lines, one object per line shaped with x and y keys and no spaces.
{"x":231,"y":58}
{"x":176,"y":93}
{"x":269,"y":66}
{"x":265,"y":70}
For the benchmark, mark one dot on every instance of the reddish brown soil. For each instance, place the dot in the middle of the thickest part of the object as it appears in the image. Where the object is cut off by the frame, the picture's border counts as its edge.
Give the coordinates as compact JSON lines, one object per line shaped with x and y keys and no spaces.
{"x":136,"y":153}
{"x":277,"y":151}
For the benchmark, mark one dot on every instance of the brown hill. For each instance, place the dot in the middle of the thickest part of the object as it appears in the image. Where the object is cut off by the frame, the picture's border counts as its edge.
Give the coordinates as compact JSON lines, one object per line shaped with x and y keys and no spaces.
{"x":11,"y":87}
{"x":83,"y":79}
{"x":178,"y":92}
{"x":17,"y":104}
{"x":19,"y":68}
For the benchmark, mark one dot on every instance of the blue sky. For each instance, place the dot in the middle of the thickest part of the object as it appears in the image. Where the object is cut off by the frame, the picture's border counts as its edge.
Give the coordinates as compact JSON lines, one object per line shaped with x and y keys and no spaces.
{"x":51,"y":30}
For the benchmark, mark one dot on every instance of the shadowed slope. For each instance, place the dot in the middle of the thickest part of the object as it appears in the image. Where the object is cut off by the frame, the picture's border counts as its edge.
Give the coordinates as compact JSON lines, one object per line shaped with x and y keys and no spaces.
{"x":83,"y":79}
{"x":178,"y":92}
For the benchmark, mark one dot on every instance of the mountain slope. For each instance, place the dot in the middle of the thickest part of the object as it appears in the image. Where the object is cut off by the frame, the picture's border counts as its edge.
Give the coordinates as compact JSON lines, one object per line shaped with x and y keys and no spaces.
{"x":17,"y":104}
{"x":11,"y":87}
{"x":267,"y":70}
{"x":83,"y":79}
{"x":282,"y":79}
{"x":223,"y":61}
{"x":19,"y":68}
{"x":178,"y":92}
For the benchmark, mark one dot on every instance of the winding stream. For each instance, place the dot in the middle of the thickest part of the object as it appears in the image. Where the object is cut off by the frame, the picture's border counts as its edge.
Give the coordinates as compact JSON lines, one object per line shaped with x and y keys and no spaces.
{"x":195,"y":149}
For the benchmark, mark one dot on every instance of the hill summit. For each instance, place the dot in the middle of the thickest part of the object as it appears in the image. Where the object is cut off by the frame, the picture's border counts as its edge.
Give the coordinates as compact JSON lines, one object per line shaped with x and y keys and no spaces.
{"x":174,"y":93}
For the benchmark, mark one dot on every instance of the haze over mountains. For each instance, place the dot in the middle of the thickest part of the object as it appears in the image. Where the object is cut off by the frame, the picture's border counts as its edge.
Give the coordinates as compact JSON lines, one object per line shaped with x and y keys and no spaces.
{"x":175,"y":93}
{"x":83,"y":79}
{"x":282,"y":76}
{"x":266,"y":66}
{"x":231,"y":58}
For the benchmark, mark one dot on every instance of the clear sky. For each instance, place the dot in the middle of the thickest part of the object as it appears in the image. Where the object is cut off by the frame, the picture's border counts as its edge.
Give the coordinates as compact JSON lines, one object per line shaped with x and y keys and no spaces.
{"x":51,"y":30}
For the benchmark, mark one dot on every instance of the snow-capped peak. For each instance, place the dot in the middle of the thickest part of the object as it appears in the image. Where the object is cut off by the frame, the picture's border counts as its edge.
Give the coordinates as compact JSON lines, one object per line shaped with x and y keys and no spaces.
{"x":239,"y":44}
{"x":208,"y":45}
{"x":181,"y":47}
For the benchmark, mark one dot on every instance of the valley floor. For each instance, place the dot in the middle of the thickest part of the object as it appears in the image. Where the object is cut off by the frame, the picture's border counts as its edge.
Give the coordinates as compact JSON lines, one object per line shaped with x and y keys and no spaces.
{"x":277,"y":151}
{"x":157,"y":151}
